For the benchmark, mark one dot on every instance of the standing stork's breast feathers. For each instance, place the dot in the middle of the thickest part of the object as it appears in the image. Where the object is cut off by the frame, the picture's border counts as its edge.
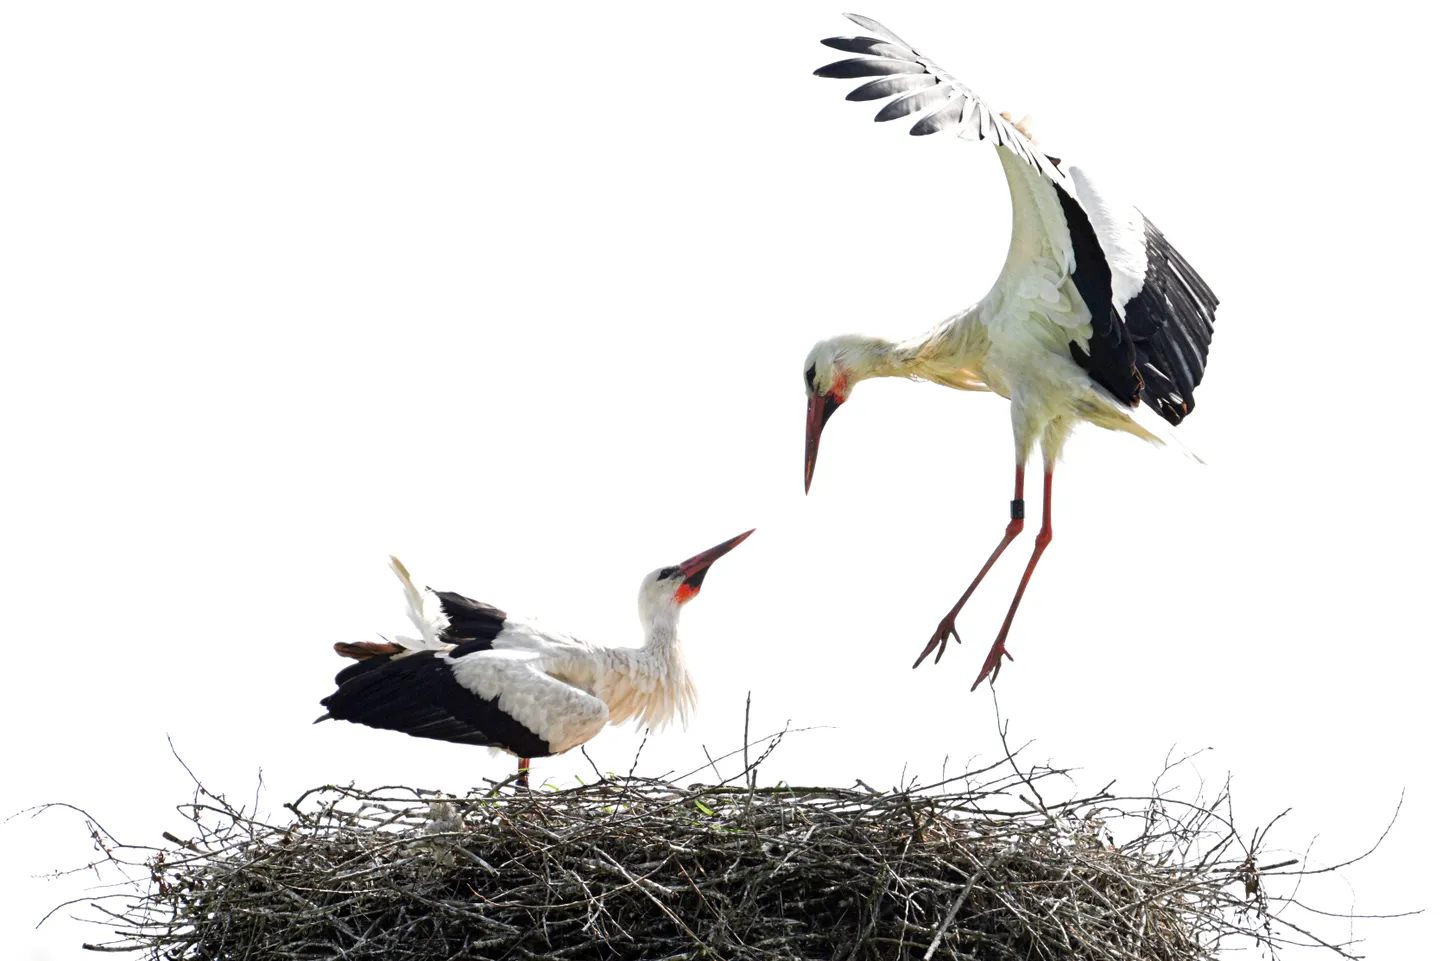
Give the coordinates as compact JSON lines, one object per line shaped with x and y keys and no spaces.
{"x":1151,"y":315}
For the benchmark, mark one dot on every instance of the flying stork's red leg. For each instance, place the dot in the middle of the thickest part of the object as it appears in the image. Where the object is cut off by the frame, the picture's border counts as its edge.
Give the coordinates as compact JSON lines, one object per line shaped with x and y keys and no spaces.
{"x":523,"y":773}
{"x":1043,"y":538}
{"x":947,"y":628}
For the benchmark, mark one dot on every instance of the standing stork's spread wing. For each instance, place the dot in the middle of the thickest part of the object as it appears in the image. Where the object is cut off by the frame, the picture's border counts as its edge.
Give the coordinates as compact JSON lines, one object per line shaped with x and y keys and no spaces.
{"x":467,"y":690}
{"x":471,"y":694}
{"x":1151,"y":314}
{"x":468,"y":620}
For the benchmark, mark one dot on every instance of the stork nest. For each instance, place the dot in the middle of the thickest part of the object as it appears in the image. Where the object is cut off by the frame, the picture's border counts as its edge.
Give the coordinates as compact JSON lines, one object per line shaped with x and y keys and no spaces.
{"x":978,"y":866}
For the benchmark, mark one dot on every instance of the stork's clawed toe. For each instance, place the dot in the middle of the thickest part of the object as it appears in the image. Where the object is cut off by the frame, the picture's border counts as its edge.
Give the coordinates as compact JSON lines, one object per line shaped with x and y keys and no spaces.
{"x":992,"y":665}
{"x":944,"y":632}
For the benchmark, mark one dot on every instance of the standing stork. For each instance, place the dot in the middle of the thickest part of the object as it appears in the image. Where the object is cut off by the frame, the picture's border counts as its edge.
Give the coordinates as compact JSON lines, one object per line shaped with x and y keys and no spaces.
{"x":479,"y":676}
{"x":1094,"y":313}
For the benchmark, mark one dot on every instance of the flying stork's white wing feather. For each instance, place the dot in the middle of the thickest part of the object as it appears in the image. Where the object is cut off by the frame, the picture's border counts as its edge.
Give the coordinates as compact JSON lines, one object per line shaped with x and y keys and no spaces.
{"x":1151,"y":313}
{"x":1120,"y":231}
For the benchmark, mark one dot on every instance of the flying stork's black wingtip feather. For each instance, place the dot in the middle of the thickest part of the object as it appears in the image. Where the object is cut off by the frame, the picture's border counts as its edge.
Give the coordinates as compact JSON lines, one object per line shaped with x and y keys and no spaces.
{"x":1169,"y":412}
{"x":866,"y":23}
{"x":923,"y":99}
{"x":891,"y":86}
{"x":942,"y":118}
{"x":855,"y":67}
{"x":869,"y":46}
{"x":1171,"y":319}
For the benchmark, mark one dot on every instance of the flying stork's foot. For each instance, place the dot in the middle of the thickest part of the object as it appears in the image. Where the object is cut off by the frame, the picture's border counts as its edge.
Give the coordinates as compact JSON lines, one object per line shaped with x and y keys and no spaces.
{"x":944,"y":632}
{"x":993,"y":662}
{"x":947,"y":628}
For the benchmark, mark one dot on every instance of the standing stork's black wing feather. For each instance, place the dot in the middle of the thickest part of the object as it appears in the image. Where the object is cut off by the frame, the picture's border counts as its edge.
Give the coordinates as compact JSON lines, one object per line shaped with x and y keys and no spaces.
{"x":467,"y":619}
{"x":417,"y":693}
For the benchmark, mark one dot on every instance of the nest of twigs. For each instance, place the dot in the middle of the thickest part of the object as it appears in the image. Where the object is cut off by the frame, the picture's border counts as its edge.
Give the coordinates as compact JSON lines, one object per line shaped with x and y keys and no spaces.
{"x":979,"y":866}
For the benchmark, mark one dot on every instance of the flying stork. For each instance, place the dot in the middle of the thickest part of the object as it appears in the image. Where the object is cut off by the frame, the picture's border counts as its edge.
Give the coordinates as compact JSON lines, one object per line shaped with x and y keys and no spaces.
{"x":476,"y":675}
{"x":1094,"y":314}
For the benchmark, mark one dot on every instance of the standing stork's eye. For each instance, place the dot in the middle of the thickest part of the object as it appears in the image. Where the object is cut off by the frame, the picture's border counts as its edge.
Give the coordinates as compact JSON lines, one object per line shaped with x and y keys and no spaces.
{"x":811,"y":378}
{"x":666,"y":573}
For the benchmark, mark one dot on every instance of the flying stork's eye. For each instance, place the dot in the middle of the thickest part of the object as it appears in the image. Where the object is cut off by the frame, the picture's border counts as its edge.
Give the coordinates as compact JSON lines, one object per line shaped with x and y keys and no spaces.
{"x":811,"y":378}
{"x":666,"y":573}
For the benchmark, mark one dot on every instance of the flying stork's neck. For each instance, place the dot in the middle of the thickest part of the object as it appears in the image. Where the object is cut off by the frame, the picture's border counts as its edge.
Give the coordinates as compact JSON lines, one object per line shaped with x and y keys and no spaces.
{"x":945,"y":354}
{"x":878,"y":357}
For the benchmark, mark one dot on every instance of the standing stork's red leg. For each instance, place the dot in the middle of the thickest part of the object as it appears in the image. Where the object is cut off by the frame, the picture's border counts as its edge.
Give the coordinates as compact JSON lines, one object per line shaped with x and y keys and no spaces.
{"x":523,"y":773}
{"x":947,"y":628}
{"x":1043,"y":538}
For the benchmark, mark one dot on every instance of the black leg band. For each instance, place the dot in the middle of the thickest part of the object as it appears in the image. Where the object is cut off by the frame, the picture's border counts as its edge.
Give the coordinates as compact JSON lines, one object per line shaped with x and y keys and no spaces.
{"x":1018,"y":510}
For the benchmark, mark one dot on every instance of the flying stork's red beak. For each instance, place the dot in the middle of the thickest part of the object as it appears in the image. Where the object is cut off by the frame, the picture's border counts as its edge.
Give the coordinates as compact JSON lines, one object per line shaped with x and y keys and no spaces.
{"x":819,"y":409}
{"x":695,"y":568}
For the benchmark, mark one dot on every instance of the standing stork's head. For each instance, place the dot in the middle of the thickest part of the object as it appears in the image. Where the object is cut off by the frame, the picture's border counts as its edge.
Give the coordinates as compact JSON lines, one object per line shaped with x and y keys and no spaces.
{"x":832,"y":368}
{"x":664,"y":591}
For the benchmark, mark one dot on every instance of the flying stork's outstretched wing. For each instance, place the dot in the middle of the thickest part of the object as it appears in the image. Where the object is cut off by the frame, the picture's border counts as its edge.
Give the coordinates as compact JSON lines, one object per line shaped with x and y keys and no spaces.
{"x":1152,"y":314}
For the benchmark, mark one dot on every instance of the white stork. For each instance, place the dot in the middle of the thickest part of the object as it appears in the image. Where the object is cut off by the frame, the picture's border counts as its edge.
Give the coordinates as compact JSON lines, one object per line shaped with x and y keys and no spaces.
{"x":478,"y":676}
{"x":1094,"y":313}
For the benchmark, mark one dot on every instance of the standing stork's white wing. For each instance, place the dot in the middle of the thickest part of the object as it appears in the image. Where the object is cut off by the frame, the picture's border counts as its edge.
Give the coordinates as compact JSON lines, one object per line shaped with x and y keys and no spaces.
{"x":1151,"y":315}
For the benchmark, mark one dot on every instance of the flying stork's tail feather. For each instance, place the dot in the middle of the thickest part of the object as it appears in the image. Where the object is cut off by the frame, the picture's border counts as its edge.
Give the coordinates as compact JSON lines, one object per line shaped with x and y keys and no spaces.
{"x":424,"y":612}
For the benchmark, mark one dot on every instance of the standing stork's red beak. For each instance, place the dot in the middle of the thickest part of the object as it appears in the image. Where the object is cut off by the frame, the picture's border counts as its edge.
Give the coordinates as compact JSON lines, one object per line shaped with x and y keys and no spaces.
{"x":695,"y":568}
{"x":819,"y":408}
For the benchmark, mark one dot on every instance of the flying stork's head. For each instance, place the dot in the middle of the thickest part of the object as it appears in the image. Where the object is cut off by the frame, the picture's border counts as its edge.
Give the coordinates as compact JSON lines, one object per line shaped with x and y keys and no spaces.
{"x":665,"y":590}
{"x":832,"y":368}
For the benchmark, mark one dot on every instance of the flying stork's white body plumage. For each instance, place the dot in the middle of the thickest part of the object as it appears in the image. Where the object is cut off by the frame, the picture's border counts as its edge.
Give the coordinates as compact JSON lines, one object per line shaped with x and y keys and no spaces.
{"x":1094,"y":317}
{"x":476,"y":675}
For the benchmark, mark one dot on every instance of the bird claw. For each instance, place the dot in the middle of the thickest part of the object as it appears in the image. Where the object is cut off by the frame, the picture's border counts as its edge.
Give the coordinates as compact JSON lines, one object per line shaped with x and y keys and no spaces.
{"x":944,"y":632}
{"x":992,"y":665}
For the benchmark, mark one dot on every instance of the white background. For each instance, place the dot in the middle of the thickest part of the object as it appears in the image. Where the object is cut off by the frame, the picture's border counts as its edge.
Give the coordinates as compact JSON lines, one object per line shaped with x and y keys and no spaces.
{"x":523,"y":298}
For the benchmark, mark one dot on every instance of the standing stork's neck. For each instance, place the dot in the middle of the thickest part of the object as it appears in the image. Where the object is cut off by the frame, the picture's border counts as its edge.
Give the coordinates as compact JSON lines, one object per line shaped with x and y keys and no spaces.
{"x":661,"y":623}
{"x":650,"y":683}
